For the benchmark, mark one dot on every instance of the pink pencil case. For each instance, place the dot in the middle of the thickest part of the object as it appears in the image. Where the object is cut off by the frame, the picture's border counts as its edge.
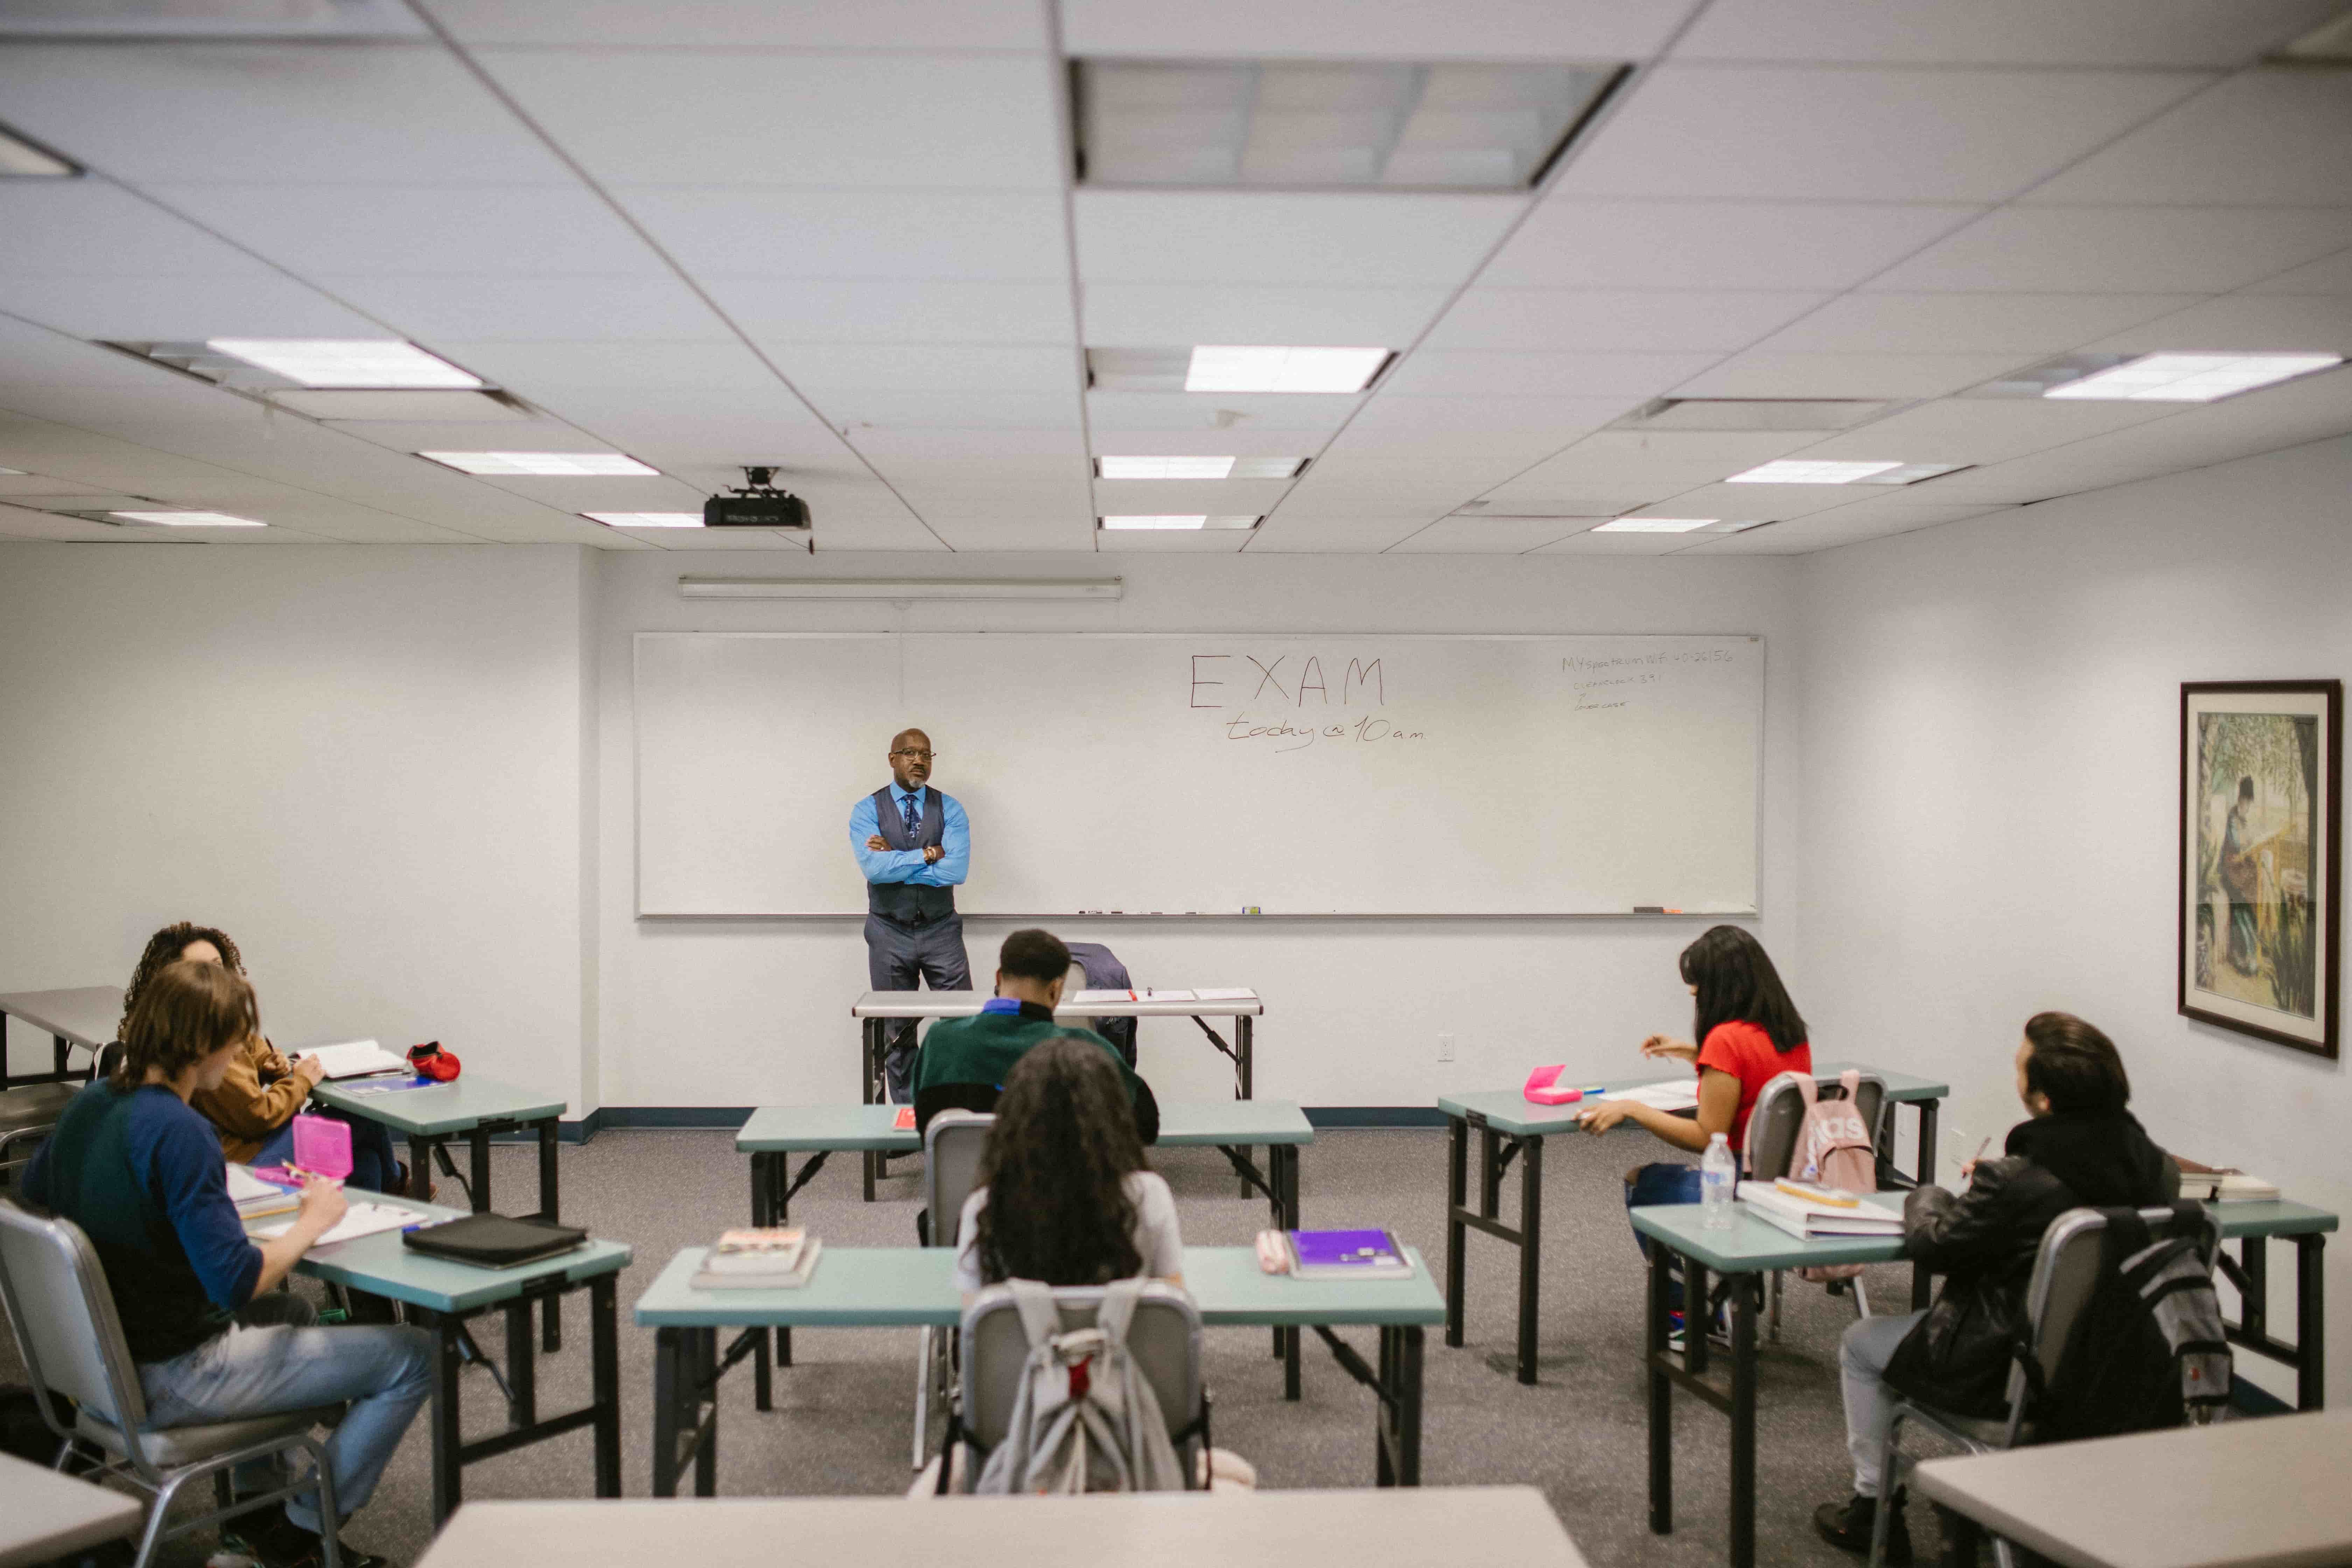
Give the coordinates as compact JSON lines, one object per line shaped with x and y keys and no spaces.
{"x":1543,"y":1087}
{"x":322,"y":1146}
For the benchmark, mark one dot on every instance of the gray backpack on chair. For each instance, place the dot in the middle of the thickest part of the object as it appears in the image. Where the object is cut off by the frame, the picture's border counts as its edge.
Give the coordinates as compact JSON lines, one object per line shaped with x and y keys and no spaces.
{"x":1084,"y":1419}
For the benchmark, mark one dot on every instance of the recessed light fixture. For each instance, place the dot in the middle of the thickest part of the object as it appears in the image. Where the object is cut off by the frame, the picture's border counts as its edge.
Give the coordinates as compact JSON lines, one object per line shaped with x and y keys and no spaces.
{"x":1222,"y":367}
{"x":361,"y":363}
{"x":188,"y":518}
{"x":2192,"y":377}
{"x":646,"y":518}
{"x":1825,"y":471}
{"x":1656,"y":525}
{"x":1198,"y":467}
{"x":21,"y":159}
{"x":11,"y":473}
{"x":559,"y":464}
{"x":1166,"y":522}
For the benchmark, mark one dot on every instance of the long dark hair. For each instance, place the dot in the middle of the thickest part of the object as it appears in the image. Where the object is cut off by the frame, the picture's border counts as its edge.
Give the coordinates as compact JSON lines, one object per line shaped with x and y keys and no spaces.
{"x":1737,"y":983}
{"x":186,"y":1012}
{"x":165,"y":948}
{"x":1056,"y":1169}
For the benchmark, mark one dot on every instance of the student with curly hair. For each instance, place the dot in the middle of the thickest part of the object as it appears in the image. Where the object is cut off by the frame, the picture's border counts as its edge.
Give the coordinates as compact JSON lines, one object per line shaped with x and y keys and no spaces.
{"x":253,"y":1104}
{"x":1065,"y":1196}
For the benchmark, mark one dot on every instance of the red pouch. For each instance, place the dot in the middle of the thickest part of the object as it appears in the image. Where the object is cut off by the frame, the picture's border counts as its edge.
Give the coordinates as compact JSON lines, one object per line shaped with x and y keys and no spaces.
{"x":430,"y":1061}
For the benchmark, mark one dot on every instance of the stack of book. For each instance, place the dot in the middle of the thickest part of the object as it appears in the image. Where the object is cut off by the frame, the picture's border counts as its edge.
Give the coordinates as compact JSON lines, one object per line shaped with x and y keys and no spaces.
{"x":255,"y":1197}
{"x":779,"y":1258}
{"x":2227,"y":1187}
{"x":1806,"y":1213}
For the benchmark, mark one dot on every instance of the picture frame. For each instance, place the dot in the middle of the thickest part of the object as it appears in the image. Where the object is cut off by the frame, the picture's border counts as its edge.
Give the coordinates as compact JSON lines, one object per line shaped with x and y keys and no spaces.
{"x":2261,"y":810}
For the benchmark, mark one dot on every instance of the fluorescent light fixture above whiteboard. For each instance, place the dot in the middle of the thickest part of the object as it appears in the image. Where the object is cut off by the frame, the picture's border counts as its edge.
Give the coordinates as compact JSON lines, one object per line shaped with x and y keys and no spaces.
{"x":646,"y":518}
{"x":899,"y":587}
{"x":555,"y":465}
{"x":347,"y":362}
{"x":2192,"y":377}
{"x":1241,"y":367}
{"x":188,"y":518}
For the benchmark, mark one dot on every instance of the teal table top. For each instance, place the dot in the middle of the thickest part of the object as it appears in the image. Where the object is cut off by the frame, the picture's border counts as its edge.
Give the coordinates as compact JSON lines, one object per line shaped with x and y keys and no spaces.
{"x":1752,"y":1246}
{"x":805,"y":1129}
{"x":458,"y":1107}
{"x":380,"y":1263}
{"x":1510,"y":1111}
{"x":2282,"y":1218}
{"x":894,"y":1285}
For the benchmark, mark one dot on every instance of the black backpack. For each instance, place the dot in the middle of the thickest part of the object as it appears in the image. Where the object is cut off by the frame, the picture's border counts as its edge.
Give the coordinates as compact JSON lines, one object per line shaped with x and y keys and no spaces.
{"x":2149,"y":1348}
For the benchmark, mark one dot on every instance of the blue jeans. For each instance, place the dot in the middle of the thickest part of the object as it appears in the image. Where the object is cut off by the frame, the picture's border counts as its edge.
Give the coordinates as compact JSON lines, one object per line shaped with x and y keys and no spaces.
{"x":373,"y":1164}
{"x":1863,"y":1354}
{"x":1661,"y":1182}
{"x":274,"y":1357}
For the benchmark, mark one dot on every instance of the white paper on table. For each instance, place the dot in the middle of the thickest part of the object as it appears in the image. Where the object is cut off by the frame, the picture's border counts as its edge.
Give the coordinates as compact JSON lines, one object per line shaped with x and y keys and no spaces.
{"x":1158,"y":995}
{"x":1095,"y":998}
{"x":350,"y":1058}
{"x":1244,"y":995}
{"x":1673,"y":1094}
{"x":245,"y":1187}
{"x":358,"y":1220}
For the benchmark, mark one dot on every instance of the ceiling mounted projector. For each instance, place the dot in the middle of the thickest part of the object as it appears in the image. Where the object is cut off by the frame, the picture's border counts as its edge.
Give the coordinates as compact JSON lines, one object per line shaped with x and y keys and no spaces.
{"x":758,"y":503}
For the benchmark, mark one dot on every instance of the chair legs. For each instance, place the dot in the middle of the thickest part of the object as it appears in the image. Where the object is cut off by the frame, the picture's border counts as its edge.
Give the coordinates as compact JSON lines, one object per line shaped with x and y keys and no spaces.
{"x":1890,"y":1482}
{"x":321,"y":1482}
{"x":1861,"y":1299}
{"x":926,"y":1375}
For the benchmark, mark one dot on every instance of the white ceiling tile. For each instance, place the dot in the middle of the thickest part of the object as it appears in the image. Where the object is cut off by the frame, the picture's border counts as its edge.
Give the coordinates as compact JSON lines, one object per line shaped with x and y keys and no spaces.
{"x":92,"y":228}
{"x":824,"y":370}
{"x":453,"y":231}
{"x":1171,"y":540}
{"x":885,"y":447}
{"x":1966,"y":323}
{"x":180,"y":307}
{"x":1532,"y":426}
{"x":771,"y":24}
{"x":1591,"y":543}
{"x":323,"y":113}
{"x":1302,"y":414}
{"x":1182,"y":497}
{"x":1342,"y":239}
{"x":894,"y":310}
{"x":1999,"y":32}
{"x":884,"y":407}
{"x":1713,"y":245}
{"x":1982,"y":430}
{"x":1744,"y":448}
{"x":1030,"y":474}
{"x":1582,"y":467}
{"x":1761,"y":373}
{"x":732,"y":117}
{"x":2101,"y":250}
{"x":1614,"y":321}
{"x":670,"y":428}
{"x":1475,"y":373}
{"x":2328,"y":275}
{"x":548,"y":309}
{"x":1859,"y":134}
{"x":1744,"y":503}
{"x":889,"y":234}
{"x":1297,"y":531}
{"x":963,"y":531}
{"x":1591,"y":499}
{"x":1156,"y":315}
{"x":2267,"y":138}
{"x":1375,"y":29}
{"x":2317,"y":322}
{"x":1805,"y":536}
{"x":1488,"y":536}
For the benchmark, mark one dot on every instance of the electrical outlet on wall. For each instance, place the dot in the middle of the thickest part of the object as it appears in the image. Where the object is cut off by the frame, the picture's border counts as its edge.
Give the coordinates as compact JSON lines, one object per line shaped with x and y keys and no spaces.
{"x":1446,"y":1048}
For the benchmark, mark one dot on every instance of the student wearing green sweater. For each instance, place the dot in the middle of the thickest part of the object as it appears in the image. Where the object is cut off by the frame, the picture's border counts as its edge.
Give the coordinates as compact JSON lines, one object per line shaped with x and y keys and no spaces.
{"x":964,"y":1062}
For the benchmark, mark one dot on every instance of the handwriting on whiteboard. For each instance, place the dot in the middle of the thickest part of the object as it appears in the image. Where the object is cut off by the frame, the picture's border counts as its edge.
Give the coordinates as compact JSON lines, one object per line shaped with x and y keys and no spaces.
{"x":1239,"y":681}
{"x":1285,"y":736}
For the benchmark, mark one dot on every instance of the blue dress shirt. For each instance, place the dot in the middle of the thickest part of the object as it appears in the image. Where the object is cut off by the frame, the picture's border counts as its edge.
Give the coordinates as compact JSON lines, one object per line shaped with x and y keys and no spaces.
{"x":908,"y":865}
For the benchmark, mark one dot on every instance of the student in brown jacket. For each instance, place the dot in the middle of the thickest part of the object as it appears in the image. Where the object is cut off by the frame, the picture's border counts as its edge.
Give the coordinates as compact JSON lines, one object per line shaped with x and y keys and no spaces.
{"x":253,"y":1107}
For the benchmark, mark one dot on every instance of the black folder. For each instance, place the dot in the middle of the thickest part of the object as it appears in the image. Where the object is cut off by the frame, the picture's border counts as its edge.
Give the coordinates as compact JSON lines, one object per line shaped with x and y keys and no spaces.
{"x":495,"y":1241}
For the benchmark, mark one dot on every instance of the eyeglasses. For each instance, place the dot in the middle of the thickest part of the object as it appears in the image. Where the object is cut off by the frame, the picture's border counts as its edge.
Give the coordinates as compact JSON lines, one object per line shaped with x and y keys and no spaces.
{"x":917,"y":756}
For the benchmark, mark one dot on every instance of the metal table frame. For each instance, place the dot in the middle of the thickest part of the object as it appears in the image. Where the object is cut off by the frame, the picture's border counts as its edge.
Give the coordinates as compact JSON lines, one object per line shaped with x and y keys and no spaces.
{"x":62,"y":1038}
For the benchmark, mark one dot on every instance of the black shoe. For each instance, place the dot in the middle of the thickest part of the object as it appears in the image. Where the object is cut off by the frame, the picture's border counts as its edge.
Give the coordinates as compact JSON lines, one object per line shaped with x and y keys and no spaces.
{"x":1847,"y":1527}
{"x":282,"y":1544}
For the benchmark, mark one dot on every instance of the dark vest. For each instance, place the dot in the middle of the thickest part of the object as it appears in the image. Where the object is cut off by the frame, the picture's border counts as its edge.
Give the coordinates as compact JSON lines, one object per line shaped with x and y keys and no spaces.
{"x":907,"y":902}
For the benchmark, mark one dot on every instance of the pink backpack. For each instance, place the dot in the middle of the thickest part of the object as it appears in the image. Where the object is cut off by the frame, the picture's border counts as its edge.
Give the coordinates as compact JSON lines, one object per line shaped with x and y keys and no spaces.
{"x":1833,"y":1149}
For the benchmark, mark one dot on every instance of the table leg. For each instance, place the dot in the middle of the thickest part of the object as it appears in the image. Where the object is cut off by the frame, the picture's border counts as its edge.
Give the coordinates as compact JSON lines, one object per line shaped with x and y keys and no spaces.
{"x":420,"y":1167}
{"x":522,"y":1374}
{"x":1385,"y":1413}
{"x":1247,"y":1066}
{"x":1530,"y":1249}
{"x":447,"y":1491}
{"x":61,"y":1056}
{"x":668,"y":1377}
{"x":479,"y":1139}
{"x":1923,"y":1282}
{"x":869,"y":1077}
{"x":1282,"y":1164}
{"x":705,"y":1361}
{"x":1457,"y":1196}
{"x":1408,"y":1398}
{"x":604,"y":1355}
{"x":2310,"y":1322}
{"x":1661,"y":1391}
{"x":550,"y":1205}
{"x":763,"y":1214}
{"x":1743,"y":1415}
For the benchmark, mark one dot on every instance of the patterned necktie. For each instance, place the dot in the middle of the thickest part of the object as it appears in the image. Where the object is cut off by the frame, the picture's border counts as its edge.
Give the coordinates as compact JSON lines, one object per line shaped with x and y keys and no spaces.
{"x":913,"y":817}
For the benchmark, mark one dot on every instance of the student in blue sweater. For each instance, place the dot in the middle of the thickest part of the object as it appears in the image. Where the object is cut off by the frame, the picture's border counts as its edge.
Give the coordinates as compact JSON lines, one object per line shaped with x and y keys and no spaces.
{"x":141,"y":1174}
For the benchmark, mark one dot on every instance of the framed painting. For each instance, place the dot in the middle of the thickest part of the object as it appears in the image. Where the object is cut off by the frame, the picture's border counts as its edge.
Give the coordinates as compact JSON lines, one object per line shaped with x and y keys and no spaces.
{"x":2262,"y":802}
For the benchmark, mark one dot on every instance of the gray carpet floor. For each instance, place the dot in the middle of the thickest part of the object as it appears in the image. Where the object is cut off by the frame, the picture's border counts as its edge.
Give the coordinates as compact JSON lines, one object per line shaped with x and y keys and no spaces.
{"x":843,"y":1414}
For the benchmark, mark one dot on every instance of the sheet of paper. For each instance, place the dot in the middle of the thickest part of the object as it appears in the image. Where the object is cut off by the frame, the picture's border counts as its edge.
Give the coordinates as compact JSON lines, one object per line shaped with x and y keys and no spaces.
{"x":359,"y":1219}
{"x":1673,"y":1094}
{"x":1095,"y":998}
{"x":1208,"y":993}
{"x":1158,"y":995}
{"x":244,"y":1186}
{"x":349,"y":1059}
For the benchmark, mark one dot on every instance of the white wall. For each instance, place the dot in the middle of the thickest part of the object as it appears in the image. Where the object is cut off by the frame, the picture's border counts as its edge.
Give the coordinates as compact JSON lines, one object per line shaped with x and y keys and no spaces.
{"x":362,"y":763}
{"x":738,"y":1012}
{"x":1990,"y":797}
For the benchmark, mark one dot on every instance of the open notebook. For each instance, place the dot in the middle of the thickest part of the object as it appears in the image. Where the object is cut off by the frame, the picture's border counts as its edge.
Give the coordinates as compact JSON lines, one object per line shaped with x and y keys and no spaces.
{"x":353,"y":1058}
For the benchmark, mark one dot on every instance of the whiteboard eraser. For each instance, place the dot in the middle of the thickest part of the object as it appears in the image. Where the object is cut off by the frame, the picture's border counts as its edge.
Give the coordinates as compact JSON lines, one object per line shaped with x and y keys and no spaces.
{"x":1649,"y":908}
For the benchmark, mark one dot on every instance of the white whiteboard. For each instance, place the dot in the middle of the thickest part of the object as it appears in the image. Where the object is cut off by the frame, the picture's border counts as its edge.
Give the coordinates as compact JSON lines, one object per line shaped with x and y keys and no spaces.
{"x":1155,"y":773}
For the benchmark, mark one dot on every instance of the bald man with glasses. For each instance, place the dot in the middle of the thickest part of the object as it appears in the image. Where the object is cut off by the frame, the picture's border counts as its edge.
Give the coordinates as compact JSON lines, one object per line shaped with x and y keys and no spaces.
{"x":914,"y":848}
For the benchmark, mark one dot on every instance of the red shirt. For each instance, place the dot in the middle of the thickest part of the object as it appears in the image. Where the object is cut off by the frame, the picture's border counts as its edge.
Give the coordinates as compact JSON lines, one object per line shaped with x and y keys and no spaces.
{"x":1745,"y":1052}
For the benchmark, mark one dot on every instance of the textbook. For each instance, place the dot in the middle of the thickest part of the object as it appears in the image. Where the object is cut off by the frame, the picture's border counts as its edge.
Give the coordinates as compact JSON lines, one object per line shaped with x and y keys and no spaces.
{"x":352,"y":1059}
{"x":1805,"y":1220}
{"x":255,"y":1197}
{"x":771,"y":1278}
{"x":1346,"y":1255}
{"x":772,"y":1249}
{"x":2227,"y":1187}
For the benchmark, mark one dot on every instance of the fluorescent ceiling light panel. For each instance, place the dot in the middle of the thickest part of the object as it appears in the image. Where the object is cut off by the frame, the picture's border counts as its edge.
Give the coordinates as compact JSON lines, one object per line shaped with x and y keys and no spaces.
{"x":1458,"y":125}
{"x":188,"y":518}
{"x":2192,"y":377}
{"x":1179,"y":521}
{"x":1825,"y":471}
{"x":1164,"y":468}
{"x":899,"y":587}
{"x":346,"y":361}
{"x":646,"y":518}
{"x":557,"y":464}
{"x":23,"y":160}
{"x":1656,"y":525}
{"x":1218,"y":367}
{"x":13,"y":473}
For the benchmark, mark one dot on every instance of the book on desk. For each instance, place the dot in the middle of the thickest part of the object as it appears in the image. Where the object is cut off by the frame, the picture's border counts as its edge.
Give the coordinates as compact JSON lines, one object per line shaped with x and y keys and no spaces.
{"x":1806,"y":1219}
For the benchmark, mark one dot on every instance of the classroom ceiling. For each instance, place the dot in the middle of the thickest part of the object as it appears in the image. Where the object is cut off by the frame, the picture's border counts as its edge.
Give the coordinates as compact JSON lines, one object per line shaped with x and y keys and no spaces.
{"x":843,"y":238}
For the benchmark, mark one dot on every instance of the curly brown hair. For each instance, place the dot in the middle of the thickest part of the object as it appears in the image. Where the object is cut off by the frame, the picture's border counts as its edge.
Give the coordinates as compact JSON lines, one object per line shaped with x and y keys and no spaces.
{"x":1056,"y":1169}
{"x":187,"y":1010}
{"x":165,"y":948}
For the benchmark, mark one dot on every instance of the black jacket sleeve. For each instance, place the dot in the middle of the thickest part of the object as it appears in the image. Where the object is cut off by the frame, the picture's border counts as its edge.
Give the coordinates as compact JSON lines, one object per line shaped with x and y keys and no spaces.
{"x":1146,"y":1113}
{"x":1979,"y":1228}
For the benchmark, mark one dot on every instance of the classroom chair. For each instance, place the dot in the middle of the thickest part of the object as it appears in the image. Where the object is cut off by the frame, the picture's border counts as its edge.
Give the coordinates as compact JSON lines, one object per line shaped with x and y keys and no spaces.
{"x":2065,"y":1279}
{"x":1102,"y":971}
{"x":953,"y":1145}
{"x":1773,"y":1124}
{"x":1165,"y":1337}
{"x":71,"y":1339}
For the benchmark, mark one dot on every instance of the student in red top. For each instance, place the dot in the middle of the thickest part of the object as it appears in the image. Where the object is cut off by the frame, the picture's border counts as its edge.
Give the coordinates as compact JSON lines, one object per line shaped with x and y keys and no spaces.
{"x":1748,"y":1031}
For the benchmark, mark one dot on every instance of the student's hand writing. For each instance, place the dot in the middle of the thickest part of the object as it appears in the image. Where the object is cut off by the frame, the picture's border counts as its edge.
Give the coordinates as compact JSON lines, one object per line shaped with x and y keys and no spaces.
{"x":322,"y":1205}
{"x":876,"y":841}
{"x":312,"y":1070}
{"x":1667,"y":1046}
{"x":1602,"y":1117}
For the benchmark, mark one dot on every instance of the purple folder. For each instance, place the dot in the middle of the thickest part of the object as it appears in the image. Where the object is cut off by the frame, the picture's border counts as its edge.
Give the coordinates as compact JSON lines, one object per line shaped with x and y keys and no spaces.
{"x":1346,"y":1250}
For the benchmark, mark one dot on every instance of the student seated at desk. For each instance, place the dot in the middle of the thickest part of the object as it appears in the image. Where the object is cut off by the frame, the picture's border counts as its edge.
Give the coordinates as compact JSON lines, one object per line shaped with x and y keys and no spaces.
{"x":254,"y":1102}
{"x":213,"y":1338}
{"x":965,"y":1062}
{"x":1065,"y":1196}
{"x":2079,"y":1147}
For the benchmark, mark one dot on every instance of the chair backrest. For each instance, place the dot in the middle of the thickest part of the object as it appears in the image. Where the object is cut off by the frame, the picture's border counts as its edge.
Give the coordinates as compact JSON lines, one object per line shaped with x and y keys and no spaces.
{"x":953,"y":1145}
{"x":1778,"y":1117}
{"x":1102,"y":971}
{"x":1164,"y":1338}
{"x":2067,"y":1273}
{"x":63,"y":1315}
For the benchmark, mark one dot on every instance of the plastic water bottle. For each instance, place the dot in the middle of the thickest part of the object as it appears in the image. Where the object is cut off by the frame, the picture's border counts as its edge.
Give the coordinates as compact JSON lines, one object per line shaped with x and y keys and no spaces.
{"x":1718,"y":1173}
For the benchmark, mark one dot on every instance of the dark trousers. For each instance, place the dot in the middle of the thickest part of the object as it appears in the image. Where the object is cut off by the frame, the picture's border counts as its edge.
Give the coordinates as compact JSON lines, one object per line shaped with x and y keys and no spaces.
{"x":896,"y":955}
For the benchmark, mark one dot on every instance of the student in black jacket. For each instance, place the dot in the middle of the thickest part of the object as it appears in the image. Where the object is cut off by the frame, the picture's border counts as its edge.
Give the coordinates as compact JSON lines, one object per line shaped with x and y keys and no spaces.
{"x":2080,"y":1147}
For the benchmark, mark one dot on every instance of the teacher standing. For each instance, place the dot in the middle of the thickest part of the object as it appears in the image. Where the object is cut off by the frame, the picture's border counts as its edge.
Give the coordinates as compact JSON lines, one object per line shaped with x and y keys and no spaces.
{"x":914,"y":848}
